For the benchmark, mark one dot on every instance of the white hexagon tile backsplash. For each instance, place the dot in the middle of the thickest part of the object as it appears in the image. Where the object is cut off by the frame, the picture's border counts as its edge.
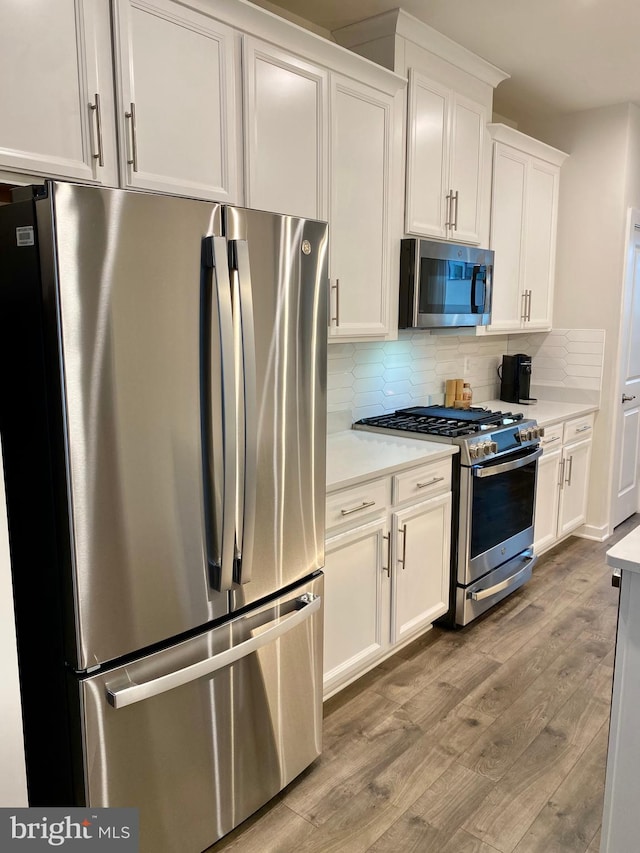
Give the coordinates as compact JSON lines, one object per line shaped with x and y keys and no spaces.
{"x":371,"y":378}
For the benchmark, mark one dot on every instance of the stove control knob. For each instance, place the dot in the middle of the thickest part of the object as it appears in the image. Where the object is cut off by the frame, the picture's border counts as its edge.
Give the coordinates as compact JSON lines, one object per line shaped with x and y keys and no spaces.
{"x":473,"y":451}
{"x":541,"y":432}
{"x":523,"y":435}
{"x":494,"y":446}
{"x":487,"y":448}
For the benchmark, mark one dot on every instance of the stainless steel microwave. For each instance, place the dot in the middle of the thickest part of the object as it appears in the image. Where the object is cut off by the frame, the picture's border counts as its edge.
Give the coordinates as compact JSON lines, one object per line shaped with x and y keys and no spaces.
{"x":444,"y":284}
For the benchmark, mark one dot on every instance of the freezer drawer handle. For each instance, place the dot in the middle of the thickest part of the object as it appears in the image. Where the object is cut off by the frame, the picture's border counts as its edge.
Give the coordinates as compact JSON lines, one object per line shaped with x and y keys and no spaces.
{"x":505,"y":584}
{"x":120,"y":697}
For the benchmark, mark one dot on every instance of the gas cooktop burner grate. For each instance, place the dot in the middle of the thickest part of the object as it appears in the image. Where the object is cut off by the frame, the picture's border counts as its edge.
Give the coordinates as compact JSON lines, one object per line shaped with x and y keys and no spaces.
{"x":440,"y":420}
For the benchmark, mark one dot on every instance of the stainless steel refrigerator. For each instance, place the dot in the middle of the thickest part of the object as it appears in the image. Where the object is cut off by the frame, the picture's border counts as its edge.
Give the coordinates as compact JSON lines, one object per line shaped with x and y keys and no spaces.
{"x":163,"y":418}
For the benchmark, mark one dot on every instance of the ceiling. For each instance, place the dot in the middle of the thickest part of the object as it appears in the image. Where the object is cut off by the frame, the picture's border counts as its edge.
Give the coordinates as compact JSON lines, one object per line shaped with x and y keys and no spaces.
{"x":562,"y":55}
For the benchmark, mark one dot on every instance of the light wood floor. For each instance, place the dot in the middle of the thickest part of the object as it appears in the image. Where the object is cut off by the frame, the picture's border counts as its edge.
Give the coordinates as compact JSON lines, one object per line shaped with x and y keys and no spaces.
{"x":492,"y":738}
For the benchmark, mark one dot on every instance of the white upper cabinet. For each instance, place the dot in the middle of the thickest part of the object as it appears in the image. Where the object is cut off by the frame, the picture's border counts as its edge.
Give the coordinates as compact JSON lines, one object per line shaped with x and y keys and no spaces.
{"x":286,"y":132}
{"x":524,"y":211}
{"x":177,"y":104}
{"x":445,"y":157}
{"x":361,"y":150}
{"x":56,"y":98}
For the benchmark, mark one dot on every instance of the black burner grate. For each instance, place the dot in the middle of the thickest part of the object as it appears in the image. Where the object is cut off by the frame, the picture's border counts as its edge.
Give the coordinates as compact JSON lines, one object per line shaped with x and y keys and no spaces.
{"x":441,"y":420}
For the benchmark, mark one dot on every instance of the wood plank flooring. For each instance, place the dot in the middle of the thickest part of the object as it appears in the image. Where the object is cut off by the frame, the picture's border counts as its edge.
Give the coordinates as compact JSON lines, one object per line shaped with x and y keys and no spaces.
{"x":491,"y":739}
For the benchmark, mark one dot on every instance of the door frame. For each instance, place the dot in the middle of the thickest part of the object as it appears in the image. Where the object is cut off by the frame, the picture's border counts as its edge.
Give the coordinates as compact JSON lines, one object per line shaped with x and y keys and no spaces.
{"x":632,"y":239}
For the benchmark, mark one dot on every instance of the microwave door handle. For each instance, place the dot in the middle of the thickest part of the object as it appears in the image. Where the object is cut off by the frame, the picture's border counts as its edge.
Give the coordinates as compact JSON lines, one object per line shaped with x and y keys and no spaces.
{"x":221,"y":501}
{"x":474,"y":290}
{"x":247,"y":403}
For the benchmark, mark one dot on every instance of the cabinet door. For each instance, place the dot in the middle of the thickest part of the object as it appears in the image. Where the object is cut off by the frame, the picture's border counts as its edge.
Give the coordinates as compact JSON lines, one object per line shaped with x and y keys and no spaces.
{"x":54,"y":59}
{"x":468,"y":122}
{"x":547,"y":498}
{"x":427,"y":157}
{"x":359,"y":216}
{"x":575,"y":485}
{"x":286,"y":132}
{"x":507,"y":229}
{"x":176,"y":74}
{"x":420,"y":583}
{"x":539,"y":251}
{"x":356,"y":629}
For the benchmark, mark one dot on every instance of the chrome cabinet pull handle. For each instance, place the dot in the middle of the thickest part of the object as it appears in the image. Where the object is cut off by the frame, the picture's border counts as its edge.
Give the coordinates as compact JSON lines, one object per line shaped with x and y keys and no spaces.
{"x":455,"y":218}
{"x":523,"y":315}
{"x":95,"y":108}
{"x":134,"y":139}
{"x":449,"y":199}
{"x":561,"y":472}
{"x":403,"y":530}
{"x":387,"y":568}
{"x":363,"y":505}
{"x":430,"y":483}
{"x":568,"y":480}
{"x":583,"y":429}
{"x":551,"y":440}
{"x":336,"y":287}
{"x":626,"y":398}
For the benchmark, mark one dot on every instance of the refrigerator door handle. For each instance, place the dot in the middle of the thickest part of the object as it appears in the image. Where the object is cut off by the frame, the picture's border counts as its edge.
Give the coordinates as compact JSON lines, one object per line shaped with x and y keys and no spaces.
{"x":223,"y":501}
{"x":249,"y":461}
{"x":119,"y":697}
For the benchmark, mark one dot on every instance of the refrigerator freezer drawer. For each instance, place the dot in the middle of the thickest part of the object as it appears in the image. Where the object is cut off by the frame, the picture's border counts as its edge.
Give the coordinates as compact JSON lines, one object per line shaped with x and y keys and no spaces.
{"x":200,"y":735}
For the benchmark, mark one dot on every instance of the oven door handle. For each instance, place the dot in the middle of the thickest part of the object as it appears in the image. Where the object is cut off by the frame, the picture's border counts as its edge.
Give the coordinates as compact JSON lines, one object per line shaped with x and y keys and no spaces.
{"x":505,"y":584}
{"x":492,"y":470}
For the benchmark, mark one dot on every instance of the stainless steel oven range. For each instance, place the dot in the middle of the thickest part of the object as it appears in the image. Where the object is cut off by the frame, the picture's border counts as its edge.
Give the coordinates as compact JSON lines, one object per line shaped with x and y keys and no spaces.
{"x":494,"y":486}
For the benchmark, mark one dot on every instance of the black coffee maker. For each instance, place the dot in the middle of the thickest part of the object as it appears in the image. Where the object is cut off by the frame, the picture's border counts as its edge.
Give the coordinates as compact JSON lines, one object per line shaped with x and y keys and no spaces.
{"x":515,"y":379}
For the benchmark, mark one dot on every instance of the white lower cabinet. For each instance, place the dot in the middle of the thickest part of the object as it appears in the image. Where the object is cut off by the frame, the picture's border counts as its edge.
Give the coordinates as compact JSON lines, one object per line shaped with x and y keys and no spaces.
{"x":576,"y":459}
{"x":354,"y":626}
{"x":563,"y":481}
{"x":387,"y":559}
{"x":421,"y":566}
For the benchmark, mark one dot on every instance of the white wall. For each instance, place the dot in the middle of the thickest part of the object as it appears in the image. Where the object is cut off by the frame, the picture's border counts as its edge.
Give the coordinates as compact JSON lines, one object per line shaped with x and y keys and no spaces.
{"x":599,"y":180}
{"x":13,"y":782}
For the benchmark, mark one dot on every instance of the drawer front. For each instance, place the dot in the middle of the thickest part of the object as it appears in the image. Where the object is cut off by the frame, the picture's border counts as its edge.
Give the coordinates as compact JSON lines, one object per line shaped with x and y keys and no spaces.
{"x":552,"y":438}
{"x":349,"y":506}
{"x":424,"y":482}
{"x":578,"y":428}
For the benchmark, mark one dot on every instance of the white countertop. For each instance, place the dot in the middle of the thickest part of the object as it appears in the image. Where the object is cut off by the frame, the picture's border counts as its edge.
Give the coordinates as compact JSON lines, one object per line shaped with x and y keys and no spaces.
{"x":625,"y":554}
{"x":545,"y":412}
{"x":355,"y":455}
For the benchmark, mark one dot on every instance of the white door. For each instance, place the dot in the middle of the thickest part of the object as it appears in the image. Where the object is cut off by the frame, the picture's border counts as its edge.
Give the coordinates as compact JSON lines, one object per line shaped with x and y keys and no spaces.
{"x":55,"y":58}
{"x":507,"y":230}
{"x":359,"y":215}
{"x":421,"y":566}
{"x":427,"y":157}
{"x":176,"y":71}
{"x":539,"y":244}
{"x":625,"y":497}
{"x":355,"y":627}
{"x":468,"y":123}
{"x":286,"y":132}
{"x":547,"y":497}
{"x":575,"y":486}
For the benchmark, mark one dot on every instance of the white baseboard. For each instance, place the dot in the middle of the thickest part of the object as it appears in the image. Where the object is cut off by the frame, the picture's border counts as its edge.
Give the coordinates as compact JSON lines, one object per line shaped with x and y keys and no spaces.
{"x":590,"y":531}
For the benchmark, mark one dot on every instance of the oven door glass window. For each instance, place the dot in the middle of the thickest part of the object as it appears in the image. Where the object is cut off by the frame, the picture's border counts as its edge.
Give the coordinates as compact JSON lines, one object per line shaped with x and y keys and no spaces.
{"x":502,"y":506}
{"x":452,"y":287}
